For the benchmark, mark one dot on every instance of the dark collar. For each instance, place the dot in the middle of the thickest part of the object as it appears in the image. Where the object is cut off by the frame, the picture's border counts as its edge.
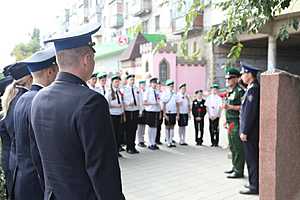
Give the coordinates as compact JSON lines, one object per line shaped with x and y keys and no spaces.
{"x":35,"y":87}
{"x":71,"y":78}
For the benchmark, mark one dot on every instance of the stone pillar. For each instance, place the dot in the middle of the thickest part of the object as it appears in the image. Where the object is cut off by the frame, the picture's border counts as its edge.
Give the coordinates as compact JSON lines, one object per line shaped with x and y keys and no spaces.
{"x":280,"y":136}
{"x":272,"y":52}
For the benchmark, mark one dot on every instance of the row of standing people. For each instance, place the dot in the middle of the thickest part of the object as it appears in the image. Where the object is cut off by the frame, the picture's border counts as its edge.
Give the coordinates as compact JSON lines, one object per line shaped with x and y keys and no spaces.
{"x":56,"y":133}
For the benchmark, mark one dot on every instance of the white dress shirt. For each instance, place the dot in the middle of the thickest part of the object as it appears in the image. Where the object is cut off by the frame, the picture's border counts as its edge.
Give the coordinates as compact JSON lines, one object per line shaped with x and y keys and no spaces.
{"x":213,"y":104}
{"x":151,"y":99}
{"x":184,"y":103}
{"x":170,"y":99}
{"x":131,"y":98}
{"x":115,"y":102}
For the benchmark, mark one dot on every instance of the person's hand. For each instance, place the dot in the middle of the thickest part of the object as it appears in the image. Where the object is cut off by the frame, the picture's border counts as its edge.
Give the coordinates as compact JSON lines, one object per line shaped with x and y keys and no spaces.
{"x":177,"y":117}
{"x":225,"y":125}
{"x":166,"y":117}
{"x":190,"y":116}
{"x":225,"y":106}
{"x":198,"y":118}
{"x":243,"y":137}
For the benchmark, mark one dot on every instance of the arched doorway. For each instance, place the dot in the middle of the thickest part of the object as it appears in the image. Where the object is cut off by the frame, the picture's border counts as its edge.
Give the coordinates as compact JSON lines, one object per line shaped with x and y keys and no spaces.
{"x":164,"y":71}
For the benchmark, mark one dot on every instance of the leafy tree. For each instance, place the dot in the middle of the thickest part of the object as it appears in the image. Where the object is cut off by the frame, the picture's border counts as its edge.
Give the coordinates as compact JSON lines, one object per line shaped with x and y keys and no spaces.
{"x":23,"y":50}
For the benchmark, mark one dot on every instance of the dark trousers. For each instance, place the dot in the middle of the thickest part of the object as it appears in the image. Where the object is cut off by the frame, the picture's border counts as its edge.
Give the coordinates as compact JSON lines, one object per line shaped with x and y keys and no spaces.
{"x":131,"y":126}
{"x":157,"y":138}
{"x":252,"y":155}
{"x":199,"y":126}
{"x":214,"y":131}
{"x":117,"y":127}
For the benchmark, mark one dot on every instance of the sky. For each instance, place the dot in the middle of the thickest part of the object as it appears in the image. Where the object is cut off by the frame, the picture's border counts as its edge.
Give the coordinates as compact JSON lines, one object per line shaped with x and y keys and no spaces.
{"x":19,"y":17}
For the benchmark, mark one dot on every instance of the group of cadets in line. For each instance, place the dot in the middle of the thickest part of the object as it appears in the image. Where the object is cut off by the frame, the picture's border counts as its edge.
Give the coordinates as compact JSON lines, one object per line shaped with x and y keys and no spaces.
{"x":132,"y":108}
{"x":56,"y":133}
{"x":51,"y":146}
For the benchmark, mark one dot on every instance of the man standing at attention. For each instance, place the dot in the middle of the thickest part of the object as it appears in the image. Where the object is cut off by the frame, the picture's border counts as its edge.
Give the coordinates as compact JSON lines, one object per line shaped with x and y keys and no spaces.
{"x":232,"y":107}
{"x":213,"y":104}
{"x":249,"y":127}
{"x":73,"y":129}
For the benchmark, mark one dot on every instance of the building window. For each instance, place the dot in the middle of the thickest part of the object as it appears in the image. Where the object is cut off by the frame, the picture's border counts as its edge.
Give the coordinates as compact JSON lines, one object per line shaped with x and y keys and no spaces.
{"x":195,"y":48}
{"x":145,"y":26}
{"x":157,"y":23}
{"x":126,"y":10}
{"x":147,"y":67}
{"x":164,"y":71}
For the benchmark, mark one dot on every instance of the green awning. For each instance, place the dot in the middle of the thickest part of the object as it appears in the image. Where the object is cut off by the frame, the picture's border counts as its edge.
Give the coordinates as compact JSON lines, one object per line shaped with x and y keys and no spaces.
{"x":108,"y":49}
{"x":155,"y":38}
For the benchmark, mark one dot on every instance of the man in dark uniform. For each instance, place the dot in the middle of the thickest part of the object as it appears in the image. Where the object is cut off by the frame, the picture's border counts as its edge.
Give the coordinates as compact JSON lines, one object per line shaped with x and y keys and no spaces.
{"x":232,"y":106}
{"x":29,"y":178}
{"x":73,"y":129}
{"x":199,"y":111}
{"x":22,"y":81}
{"x":249,"y":126}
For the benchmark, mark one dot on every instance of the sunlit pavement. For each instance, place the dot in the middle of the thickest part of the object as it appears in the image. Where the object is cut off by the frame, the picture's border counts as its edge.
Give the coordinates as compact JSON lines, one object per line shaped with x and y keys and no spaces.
{"x":181,"y":173}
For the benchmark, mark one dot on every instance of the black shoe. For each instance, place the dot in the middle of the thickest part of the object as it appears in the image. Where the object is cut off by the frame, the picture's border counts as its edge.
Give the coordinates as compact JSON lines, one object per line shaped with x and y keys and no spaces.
{"x":142,"y":144}
{"x":229,"y":171}
{"x":130,"y":151}
{"x":216,"y":145}
{"x":173,"y":145}
{"x":235,"y":175}
{"x":250,"y":192}
{"x":119,"y":155}
{"x":159,"y":143}
{"x":151,"y":147}
{"x":135,"y":151}
{"x":156,"y":147}
{"x":212,"y":145}
{"x":184,"y":144}
{"x":199,"y":144}
{"x":121,"y":149}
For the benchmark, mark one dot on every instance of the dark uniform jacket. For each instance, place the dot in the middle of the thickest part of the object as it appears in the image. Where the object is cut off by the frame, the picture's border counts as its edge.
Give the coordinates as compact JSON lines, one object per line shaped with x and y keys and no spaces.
{"x":7,"y":132}
{"x":74,"y":134}
{"x":198,"y":108}
{"x":249,"y":114}
{"x":29,"y":183}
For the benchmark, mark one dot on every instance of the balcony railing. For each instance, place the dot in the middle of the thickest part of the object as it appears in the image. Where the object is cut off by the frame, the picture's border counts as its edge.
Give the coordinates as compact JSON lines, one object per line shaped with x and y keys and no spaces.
{"x":178,"y":24}
{"x":143,"y":7}
{"x":117,"y":21}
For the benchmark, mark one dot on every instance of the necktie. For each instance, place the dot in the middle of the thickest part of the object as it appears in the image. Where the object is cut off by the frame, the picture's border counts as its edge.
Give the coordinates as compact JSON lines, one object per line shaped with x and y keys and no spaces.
{"x":155,"y":96}
{"x":119,"y":102}
{"x":132,"y":91}
{"x":103,"y":90}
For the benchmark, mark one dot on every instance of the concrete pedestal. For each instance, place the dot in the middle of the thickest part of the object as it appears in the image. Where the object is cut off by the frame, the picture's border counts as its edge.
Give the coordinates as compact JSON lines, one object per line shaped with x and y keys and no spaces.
{"x":280,"y":137}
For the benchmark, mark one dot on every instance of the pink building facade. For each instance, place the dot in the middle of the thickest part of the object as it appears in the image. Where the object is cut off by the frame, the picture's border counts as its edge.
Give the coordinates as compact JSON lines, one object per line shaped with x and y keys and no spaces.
{"x":164,"y":64}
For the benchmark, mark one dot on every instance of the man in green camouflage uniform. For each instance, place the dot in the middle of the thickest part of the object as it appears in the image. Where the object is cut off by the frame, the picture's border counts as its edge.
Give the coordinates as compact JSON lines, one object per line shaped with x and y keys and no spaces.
{"x":232,"y":107}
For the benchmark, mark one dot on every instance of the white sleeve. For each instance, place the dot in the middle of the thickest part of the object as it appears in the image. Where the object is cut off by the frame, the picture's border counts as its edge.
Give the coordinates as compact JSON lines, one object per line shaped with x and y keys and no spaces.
{"x":145,"y":95}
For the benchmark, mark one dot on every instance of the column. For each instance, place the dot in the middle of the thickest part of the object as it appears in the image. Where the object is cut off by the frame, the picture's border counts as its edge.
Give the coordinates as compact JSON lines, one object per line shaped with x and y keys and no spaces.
{"x":272,"y":52}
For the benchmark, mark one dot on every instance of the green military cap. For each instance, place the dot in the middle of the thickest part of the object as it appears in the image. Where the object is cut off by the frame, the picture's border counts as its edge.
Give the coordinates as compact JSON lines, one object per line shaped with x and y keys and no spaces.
{"x":115,"y":77}
{"x":215,"y":85}
{"x":101,"y":75}
{"x":198,"y":91}
{"x":142,"y":82}
{"x":169,"y":82}
{"x":130,"y":76}
{"x":182,"y":85}
{"x":230,"y":72}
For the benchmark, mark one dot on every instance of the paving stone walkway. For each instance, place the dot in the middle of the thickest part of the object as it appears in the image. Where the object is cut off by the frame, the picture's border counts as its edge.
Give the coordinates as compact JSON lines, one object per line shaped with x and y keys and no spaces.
{"x":181,"y":173}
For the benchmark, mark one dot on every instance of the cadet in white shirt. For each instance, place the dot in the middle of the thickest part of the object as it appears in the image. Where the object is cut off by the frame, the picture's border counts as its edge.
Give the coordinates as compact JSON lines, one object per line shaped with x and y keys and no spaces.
{"x":131,"y":103}
{"x":213,"y":104}
{"x":142,"y":116}
{"x":101,"y":83}
{"x":171,"y":112}
{"x":92,"y":81}
{"x":184,"y":112}
{"x":116,"y":108}
{"x":152,"y":107}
